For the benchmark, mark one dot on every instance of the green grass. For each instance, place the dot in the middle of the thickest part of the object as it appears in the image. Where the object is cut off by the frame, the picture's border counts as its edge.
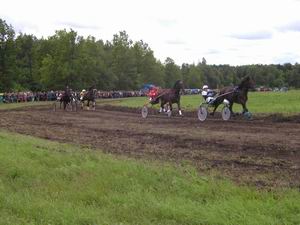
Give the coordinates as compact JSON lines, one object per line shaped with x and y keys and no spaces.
{"x":259,"y":102}
{"x":43,"y":182}
{"x":21,"y":104}
{"x":275,"y":102}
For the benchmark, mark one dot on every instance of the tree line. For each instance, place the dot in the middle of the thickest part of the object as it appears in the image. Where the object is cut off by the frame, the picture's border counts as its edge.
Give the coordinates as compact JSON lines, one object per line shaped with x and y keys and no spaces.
{"x":65,"y":58}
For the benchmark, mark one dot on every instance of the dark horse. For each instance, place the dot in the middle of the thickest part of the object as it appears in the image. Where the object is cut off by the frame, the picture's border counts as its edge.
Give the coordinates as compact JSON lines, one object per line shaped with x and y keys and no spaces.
{"x":90,"y":96}
{"x":66,"y":97}
{"x":170,"y":96}
{"x":237,"y":95}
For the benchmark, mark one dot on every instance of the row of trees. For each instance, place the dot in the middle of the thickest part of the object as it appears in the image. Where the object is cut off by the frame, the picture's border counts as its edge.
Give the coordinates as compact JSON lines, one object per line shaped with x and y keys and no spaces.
{"x":29,"y":63}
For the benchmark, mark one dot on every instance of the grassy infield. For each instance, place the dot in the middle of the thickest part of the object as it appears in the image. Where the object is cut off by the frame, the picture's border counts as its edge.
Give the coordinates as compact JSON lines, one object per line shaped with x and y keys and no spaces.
{"x":44,"y":182}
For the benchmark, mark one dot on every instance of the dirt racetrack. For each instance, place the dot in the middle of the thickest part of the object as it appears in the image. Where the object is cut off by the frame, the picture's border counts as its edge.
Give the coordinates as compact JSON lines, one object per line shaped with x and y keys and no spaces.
{"x":260,"y":152}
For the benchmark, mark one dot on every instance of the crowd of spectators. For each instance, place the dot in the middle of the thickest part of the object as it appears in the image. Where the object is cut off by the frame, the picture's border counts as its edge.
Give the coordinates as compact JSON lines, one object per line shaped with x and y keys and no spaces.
{"x":119,"y":94}
{"x":29,"y":96}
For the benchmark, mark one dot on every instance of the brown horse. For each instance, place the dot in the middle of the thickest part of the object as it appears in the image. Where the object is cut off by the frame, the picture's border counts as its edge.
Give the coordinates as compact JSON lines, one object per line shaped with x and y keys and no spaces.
{"x":66,"y":97}
{"x":237,"y":95}
{"x":90,"y":96}
{"x":170,"y":96}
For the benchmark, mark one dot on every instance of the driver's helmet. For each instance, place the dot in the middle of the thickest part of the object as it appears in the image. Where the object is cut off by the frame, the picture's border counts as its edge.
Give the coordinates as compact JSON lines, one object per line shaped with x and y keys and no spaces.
{"x":83,"y":90}
{"x":205,"y":87}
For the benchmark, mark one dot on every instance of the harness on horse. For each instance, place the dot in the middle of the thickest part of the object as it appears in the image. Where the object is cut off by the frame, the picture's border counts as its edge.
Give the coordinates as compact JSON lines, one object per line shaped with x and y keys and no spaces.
{"x":236,"y":89}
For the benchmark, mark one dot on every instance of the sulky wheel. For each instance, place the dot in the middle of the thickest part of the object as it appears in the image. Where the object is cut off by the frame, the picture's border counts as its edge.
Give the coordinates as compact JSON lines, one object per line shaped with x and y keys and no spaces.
{"x":202,"y":112}
{"x":226,"y":113}
{"x":144,"y":111}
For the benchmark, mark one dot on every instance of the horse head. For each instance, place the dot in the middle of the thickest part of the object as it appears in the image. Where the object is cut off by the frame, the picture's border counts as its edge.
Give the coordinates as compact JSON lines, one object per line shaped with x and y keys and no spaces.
{"x":247,"y":83}
{"x":91,"y":88}
{"x":178,"y":85}
{"x":95,"y":91}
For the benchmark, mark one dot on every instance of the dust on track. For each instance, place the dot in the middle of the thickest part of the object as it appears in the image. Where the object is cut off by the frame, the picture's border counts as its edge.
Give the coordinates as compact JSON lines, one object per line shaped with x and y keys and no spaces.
{"x":264,"y":152}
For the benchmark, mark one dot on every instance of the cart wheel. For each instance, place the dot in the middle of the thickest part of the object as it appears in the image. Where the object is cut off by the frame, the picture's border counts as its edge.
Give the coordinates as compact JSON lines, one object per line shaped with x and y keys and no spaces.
{"x":226,"y":113}
{"x":144,"y":111}
{"x":202,"y":112}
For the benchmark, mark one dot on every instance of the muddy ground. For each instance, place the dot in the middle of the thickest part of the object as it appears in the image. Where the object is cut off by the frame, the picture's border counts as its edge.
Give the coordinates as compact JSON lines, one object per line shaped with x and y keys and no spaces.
{"x":264,"y":152}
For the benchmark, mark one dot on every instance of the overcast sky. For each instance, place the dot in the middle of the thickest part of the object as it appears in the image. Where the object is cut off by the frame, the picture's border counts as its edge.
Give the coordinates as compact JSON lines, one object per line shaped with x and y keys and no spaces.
{"x":235,"y":32}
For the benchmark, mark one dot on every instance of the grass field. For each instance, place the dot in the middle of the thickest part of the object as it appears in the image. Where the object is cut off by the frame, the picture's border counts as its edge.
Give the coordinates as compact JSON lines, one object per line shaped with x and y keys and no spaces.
{"x":43,"y":182}
{"x":21,"y":105}
{"x":259,"y":102}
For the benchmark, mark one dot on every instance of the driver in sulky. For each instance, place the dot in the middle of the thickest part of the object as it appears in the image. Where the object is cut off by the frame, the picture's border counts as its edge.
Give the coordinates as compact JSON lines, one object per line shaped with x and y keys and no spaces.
{"x":208,"y":94}
{"x":153,"y":93}
{"x":82,"y":93}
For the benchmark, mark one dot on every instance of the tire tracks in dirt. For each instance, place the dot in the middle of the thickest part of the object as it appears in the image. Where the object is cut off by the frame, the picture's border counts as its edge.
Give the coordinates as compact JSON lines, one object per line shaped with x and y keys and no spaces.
{"x":259,"y":152}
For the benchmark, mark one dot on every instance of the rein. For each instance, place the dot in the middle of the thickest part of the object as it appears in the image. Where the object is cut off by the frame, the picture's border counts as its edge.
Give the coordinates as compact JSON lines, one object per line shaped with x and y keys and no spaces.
{"x":227,"y":93}
{"x":164,"y":92}
{"x":161,"y":94}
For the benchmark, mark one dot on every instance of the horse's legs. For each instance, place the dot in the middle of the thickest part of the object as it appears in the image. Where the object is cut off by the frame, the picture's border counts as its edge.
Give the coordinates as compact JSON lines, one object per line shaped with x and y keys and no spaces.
{"x":94,"y":105}
{"x":244,"y":108}
{"x":161,"y":107}
{"x":82,"y":104}
{"x":167,"y":107}
{"x":216,"y":106}
{"x":88,"y":105}
{"x":170,"y":106}
{"x":179,"y":108}
{"x":230,"y":108}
